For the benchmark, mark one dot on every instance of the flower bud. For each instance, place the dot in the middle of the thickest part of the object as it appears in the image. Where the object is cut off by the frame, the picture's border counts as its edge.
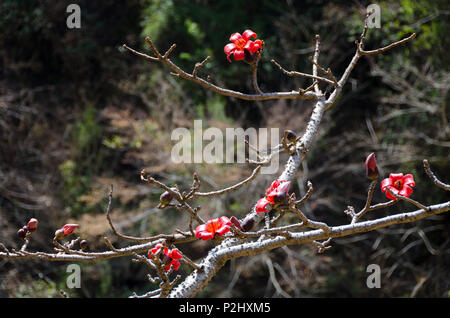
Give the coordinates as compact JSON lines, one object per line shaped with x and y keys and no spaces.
{"x":83,"y":245}
{"x":32,"y":224}
{"x":59,"y":234}
{"x":236,"y":222}
{"x":247,"y":224}
{"x":371,"y":167}
{"x":21,"y":234}
{"x":69,"y":228}
{"x":166,"y":197}
{"x":290,"y":135}
{"x":280,"y":198}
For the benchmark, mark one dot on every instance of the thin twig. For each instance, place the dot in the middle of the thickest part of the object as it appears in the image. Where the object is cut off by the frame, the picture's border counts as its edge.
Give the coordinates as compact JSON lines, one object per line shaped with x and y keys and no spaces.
{"x":295,"y":73}
{"x":433,"y":177}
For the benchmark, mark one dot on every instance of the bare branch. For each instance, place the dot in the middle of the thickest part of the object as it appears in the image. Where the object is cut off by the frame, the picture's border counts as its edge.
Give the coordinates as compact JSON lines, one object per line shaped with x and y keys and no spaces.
{"x":433,"y":177}
{"x":218,"y":256}
{"x":295,"y":73}
{"x":217,"y":89}
{"x":388,"y":47}
{"x":315,"y":60}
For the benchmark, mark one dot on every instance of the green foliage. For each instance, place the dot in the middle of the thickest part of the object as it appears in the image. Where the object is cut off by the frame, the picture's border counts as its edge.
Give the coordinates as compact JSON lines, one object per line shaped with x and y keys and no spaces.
{"x":86,"y":160}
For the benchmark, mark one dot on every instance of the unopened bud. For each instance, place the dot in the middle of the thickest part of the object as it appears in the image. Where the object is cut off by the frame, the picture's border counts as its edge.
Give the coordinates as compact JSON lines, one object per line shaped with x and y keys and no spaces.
{"x":166,"y":197}
{"x":69,"y":228}
{"x":83,"y":245}
{"x":371,"y":167}
{"x":290,"y":135}
{"x":21,"y":234}
{"x":280,"y":197}
{"x":32,"y":224}
{"x":236,"y":222}
{"x":59,"y":234}
{"x":247,"y":224}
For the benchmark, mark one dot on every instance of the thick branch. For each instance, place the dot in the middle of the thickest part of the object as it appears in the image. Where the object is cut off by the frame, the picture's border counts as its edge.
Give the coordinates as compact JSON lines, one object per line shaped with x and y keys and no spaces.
{"x":195,"y":282}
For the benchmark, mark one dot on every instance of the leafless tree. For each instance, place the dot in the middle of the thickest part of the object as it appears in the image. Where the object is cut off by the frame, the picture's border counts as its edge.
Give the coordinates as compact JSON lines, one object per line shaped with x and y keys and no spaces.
{"x":256,"y":233}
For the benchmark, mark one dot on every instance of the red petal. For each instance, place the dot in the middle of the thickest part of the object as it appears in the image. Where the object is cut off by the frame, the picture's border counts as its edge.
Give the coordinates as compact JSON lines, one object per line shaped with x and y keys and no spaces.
{"x":389,"y":195}
{"x":176,"y":265}
{"x":261,"y":206}
{"x":156,"y":248}
{"x":174,"y":254}
{"x":386,"y":182}
{"x":249,"y":46}
{"x":166,"y":252}
{"x":409,"y":180}
{"x":201,"y":228}
{"x":224,"y":221}
{"x":395,"y":177}
{"x":229,"y":48}
{"x":235,"y":36}
{"x":406,"y":191}
{"x":224,"y":229}
{"x":206,"y":236}
{"x":248,"y":34}
{"x":273,"y":186}
{"x":239,"y":55}
{"x":271,"y":196}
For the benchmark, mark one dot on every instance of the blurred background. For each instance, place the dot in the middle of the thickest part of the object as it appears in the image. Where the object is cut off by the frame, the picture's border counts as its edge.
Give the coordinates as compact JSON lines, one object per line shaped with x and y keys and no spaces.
{"x":78,"y":113}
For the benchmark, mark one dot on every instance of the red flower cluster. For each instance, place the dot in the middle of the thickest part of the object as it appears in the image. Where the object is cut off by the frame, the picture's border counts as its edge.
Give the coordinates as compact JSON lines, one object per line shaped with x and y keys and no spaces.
{"x":240,"y":44}
{"x":275,"y":194}
{"x":213,"y":227}
{"x":168,"y":257}
{"x":399,"y":184}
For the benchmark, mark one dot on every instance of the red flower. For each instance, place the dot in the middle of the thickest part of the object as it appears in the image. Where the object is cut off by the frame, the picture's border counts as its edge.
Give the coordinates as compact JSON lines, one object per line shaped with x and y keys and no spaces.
{"x":399,"y":184}
{"x":69,"y":228}
{"x":241,"y":43}
{"x":168,"y":257}
{"x":261,"y":206}
{"x":218,"y":226}
{"x":371,"y":167}
{"x":278,"y":191}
